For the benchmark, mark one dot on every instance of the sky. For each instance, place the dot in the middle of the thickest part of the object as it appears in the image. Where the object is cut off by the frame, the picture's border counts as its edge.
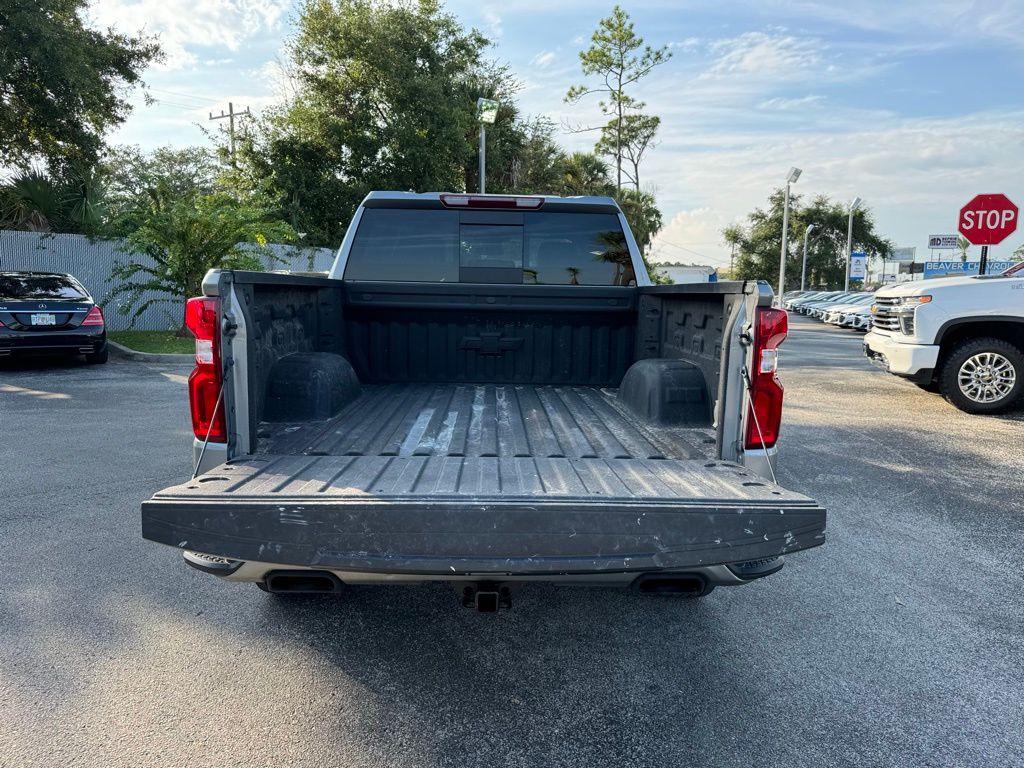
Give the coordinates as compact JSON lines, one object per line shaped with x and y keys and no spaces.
{"x":913,"y":105}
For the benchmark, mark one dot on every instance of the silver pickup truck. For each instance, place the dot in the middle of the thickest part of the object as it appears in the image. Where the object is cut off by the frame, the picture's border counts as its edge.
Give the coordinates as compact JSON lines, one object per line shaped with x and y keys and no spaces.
{"x":485,"y":390}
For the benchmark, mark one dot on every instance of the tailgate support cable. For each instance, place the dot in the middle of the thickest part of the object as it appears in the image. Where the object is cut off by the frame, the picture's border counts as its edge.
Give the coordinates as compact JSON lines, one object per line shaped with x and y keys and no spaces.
{"x":757,"y":425}
{"x":206,"y":441}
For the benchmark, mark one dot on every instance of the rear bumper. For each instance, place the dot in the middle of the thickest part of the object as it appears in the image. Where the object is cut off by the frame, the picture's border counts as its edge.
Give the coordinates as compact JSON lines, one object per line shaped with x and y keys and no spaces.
{"x":431,"y":539}
{"x":912,"y":361}
{"x":77,"y":340}
{"x":252,"y":571}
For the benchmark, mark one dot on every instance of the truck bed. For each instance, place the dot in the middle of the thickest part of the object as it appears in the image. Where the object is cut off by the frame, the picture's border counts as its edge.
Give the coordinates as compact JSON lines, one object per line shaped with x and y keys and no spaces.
{"x":482,"y":421}
{"x":425,"y":478}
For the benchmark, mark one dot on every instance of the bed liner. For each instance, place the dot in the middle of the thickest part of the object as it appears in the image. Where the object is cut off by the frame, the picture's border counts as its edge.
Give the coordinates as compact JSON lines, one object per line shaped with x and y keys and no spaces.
{"x":466,"y":420}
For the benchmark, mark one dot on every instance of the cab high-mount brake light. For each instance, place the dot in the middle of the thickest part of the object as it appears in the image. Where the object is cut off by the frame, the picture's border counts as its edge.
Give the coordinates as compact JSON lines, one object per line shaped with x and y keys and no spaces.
{"x":204,"y":383}
{"x":492,"y":201}
{"x":770,"y":329}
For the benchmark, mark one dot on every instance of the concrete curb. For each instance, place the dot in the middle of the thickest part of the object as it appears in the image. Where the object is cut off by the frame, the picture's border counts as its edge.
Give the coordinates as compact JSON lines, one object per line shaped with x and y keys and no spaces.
{"x":121,"y":351}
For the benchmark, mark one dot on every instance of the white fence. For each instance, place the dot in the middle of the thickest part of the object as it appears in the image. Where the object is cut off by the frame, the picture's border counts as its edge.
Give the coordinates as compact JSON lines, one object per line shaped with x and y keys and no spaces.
{"x":91,"y":262}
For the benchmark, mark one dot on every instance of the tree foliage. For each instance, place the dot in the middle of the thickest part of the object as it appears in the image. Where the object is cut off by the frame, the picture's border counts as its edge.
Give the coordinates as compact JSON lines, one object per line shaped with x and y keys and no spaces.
{"x":386,"y":95}
{"x":63,"y":84}
{"x":133,"y":181}
{"x":758,"y":242}
{"x":636,"y":138}
{"x":37,"y":201}
{"x":618,"y":59}
{"x":584,"y":173}
{"x":184,"y":237}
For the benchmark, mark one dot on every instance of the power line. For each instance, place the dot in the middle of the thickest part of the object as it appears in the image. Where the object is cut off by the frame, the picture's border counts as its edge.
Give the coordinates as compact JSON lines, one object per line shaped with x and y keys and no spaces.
{"x":690,"y":250}
{"x":184,"y":95}
{"x":715,"y":260}
{"x":165,"y":103}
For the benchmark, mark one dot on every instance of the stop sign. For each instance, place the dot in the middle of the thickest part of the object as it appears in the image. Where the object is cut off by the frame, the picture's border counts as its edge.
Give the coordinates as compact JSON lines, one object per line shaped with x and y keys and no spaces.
{"x":988,"y":219}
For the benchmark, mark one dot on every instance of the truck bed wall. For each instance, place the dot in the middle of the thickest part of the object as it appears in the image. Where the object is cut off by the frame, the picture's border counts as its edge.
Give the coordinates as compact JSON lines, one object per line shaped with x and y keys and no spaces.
{"x":490,"y":334}
{"x":285,"y":314}
{"x":687,"y":322}
{"x":402,"y":332}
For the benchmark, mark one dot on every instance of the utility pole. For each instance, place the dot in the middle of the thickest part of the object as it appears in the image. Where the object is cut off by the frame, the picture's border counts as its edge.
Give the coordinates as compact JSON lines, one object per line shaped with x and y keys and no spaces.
{"x":231,"y":115}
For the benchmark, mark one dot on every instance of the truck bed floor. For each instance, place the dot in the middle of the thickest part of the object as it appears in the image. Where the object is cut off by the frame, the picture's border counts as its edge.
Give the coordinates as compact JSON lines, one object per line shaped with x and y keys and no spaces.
{"x":481,"y":421}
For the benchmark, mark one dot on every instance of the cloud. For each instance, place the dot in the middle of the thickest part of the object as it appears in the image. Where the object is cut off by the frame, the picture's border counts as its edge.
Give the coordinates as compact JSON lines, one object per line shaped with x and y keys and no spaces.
{"x":542,"y":60}
{"x":765,"y":56}
{"x":781,"y":103}
{"x":930,"y":23}
{"x":914,"y":174}
{"x":687,"y":45}
{"x":692,"y":236}
{"x":493,"y":20}
{"x":184,"y":25}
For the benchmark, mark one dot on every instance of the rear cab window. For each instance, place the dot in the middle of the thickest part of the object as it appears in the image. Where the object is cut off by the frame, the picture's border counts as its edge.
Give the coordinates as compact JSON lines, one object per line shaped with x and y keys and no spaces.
{"x":490,"y":247}
{"x":22,"y":287}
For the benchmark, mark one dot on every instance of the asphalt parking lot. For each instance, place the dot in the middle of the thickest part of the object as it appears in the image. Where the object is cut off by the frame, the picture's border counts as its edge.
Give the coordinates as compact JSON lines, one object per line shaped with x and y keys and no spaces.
{"x":900,"y":642}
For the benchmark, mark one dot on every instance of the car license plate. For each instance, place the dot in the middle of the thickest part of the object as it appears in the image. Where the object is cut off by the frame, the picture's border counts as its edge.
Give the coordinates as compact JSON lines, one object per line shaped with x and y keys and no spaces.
{"x":44,"y":319}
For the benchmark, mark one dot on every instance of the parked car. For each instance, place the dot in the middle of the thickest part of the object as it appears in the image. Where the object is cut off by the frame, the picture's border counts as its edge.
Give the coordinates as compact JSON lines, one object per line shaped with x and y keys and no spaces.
{"x":790,"y":295}
{"x":794,"y":304}
{"x":962,"y":335}
{"x":49,"y":312}
{"x":858,"y":318}
{"x":486,"y":390}
{"x":817,"y":308}
{"x":836,"y":312}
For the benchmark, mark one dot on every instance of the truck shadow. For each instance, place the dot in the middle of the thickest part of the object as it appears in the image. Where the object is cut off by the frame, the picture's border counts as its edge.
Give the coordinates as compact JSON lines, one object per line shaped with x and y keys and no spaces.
{"x":569,"y":675}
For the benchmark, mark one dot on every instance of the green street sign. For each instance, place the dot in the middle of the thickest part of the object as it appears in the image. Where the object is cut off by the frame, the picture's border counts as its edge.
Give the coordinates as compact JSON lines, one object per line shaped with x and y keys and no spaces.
{"x":486,"y":111}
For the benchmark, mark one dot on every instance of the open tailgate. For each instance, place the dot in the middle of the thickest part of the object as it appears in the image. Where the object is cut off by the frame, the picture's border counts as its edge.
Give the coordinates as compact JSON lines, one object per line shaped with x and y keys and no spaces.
{"x":446,"y":515}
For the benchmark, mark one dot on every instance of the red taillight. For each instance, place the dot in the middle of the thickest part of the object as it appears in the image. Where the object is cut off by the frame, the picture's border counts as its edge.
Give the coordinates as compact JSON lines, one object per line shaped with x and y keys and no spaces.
{"x":765,"y":411}
{"x":204,"y":385}
{"x":491,"y":201}
{"x":95,"y":317}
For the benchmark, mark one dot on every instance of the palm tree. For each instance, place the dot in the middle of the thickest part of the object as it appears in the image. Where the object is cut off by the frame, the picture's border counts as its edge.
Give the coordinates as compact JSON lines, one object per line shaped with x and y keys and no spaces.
{"x":962,"y":244}
{"x":32,"y":201}
{"x":585,"y":174}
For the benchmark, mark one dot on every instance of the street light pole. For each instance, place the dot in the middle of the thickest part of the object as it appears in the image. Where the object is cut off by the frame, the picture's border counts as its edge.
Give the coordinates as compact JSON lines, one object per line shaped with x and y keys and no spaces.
{"x":486,"y":114}
{"x":854,"y":205}
{"x":483,"y":156}
{"x":803,"y":268}
{"x":794,"y":174}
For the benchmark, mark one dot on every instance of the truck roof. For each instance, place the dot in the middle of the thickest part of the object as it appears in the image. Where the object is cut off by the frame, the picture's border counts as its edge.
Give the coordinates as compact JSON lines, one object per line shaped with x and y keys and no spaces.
{"x":596,"y":204}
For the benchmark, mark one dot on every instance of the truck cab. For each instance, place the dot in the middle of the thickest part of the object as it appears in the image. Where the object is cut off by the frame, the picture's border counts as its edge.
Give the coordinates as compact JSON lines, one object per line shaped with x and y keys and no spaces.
{"x":962,"y":336}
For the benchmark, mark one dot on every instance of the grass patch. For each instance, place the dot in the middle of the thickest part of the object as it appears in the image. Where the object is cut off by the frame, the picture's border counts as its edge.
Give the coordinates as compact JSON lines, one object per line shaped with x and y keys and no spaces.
{"x":161,"y":342}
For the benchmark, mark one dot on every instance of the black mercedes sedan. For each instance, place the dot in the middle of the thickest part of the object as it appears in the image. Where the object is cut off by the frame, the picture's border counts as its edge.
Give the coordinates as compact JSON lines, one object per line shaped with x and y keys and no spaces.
{"x":49,"y":312}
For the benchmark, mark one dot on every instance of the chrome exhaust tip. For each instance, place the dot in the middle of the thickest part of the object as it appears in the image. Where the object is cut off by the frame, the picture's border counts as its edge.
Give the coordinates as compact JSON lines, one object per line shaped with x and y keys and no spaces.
{"x":302,"y":582}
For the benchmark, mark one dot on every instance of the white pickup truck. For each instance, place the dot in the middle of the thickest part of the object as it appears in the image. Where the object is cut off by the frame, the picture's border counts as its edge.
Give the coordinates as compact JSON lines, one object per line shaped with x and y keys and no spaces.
{"x":962,"y":335}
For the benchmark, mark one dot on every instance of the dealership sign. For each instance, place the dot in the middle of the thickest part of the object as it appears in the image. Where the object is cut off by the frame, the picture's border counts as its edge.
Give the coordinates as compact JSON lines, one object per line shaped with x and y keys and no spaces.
{"x":903,"y":254}
{"x":942,"y":242}
{"x":964,"y":268}
{"x":858,"y":265}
